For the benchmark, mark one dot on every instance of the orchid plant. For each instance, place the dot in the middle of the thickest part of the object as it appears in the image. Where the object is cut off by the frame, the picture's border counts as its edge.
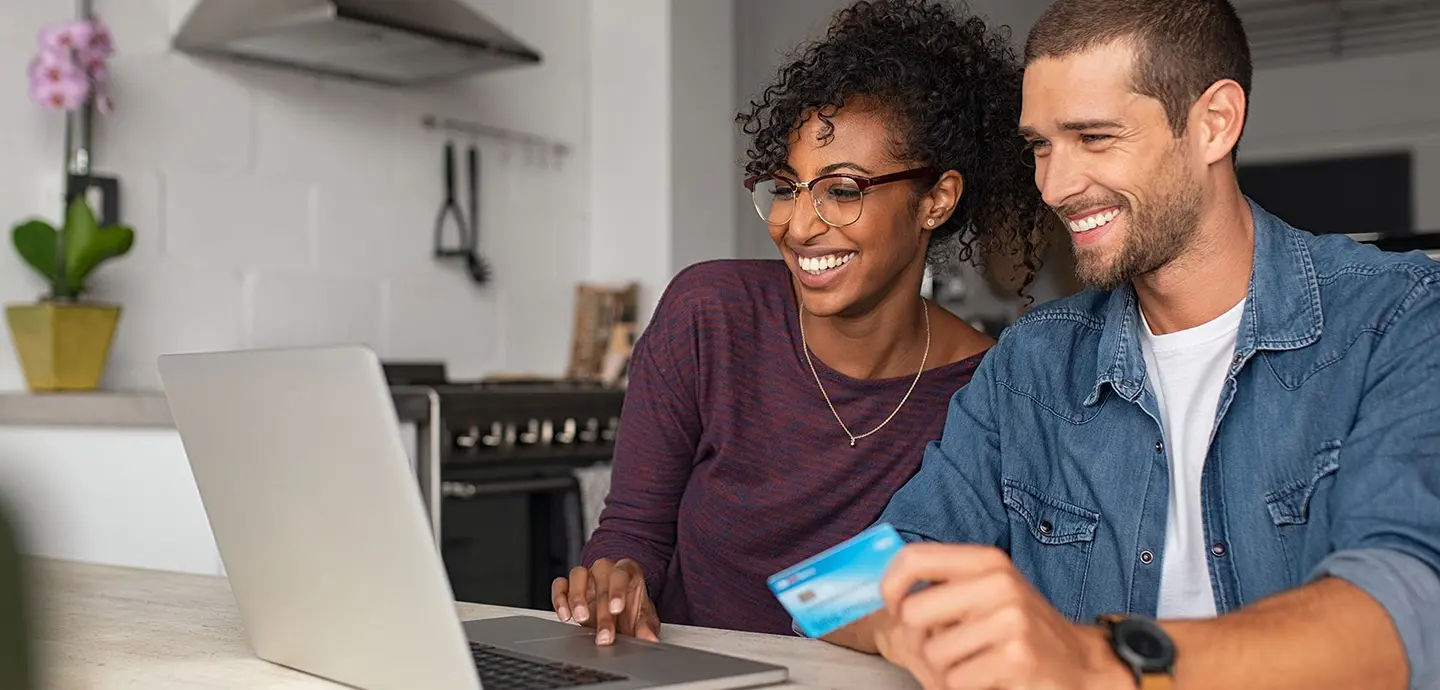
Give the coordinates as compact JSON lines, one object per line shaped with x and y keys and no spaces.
{"x":72,"y":68}
{"x":71,"y":72}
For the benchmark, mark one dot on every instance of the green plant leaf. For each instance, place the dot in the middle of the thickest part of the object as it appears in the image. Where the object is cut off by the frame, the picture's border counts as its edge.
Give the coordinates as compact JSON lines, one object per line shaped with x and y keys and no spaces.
{"x":107,"y":243}
{"x":87,"y":245}
{"x":80,"y":229}
{"x":35,"y":242}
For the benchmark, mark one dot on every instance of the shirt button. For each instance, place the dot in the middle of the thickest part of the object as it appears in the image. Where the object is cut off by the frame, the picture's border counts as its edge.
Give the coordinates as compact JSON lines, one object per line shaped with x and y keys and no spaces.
{"x":1046,"y":527}
{"x":1218,"y":548}
{"x":1160,"y":446}
{"x":1146,"y":557}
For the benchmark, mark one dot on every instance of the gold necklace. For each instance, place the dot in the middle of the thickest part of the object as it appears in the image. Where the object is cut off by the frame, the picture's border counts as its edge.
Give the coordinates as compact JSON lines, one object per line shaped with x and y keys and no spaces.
{"x":805,"y":345}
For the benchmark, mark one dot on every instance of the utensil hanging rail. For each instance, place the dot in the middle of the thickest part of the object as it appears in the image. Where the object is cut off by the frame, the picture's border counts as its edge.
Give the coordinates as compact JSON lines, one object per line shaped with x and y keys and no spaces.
{"x":479,"y":129}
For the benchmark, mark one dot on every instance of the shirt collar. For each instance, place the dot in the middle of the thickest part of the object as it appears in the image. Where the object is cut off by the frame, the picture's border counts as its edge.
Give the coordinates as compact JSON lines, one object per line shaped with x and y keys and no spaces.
{"x":1282,"y":310}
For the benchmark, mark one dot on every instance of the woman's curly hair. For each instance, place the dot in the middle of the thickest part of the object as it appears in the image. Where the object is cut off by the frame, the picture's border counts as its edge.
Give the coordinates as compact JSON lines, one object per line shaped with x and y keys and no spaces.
{"x":954,"y":89}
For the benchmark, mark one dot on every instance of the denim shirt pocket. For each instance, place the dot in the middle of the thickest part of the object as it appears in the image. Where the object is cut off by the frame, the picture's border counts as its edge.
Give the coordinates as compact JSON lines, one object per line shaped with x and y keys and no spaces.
{"x":1291,"y":507}
{"x":1051,"y":542}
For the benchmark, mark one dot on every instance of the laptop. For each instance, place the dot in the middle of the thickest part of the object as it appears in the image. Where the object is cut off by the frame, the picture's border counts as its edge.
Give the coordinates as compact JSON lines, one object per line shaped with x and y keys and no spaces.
{"x":318,"y":516}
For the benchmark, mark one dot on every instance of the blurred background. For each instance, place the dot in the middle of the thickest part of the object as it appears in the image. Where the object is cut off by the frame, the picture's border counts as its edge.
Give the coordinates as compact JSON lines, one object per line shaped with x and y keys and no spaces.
{"x":302,"y":201}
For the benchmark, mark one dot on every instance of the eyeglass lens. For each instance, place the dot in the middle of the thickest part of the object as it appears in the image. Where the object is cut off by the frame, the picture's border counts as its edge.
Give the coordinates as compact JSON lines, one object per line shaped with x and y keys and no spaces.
{"x":837,"y":199}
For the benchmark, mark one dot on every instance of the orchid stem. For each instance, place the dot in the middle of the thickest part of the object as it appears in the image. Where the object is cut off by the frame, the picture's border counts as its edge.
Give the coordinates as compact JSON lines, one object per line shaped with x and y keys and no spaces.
{"x":77,"y":162}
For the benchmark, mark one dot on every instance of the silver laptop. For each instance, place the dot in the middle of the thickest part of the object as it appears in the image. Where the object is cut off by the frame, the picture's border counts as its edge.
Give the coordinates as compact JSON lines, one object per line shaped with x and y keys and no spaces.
{"x":310,"y":493}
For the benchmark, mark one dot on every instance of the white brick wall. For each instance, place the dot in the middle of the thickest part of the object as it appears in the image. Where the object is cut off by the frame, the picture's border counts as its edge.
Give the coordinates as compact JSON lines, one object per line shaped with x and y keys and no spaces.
{"x":273,"y":208}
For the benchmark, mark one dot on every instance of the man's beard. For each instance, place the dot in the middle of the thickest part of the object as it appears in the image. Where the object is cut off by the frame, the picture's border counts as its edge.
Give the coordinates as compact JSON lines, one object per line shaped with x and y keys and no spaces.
{"x":1154,"y":235}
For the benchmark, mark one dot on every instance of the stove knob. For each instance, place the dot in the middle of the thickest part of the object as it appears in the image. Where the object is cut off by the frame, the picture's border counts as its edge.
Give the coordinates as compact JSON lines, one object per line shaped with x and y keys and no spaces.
{"x":591,"y":432}
{"x":609,"y":433}
{"x":531,"y":435}
{"x":567,"y":432}
{"x":496,"y":435}
{"x":469,"y":438}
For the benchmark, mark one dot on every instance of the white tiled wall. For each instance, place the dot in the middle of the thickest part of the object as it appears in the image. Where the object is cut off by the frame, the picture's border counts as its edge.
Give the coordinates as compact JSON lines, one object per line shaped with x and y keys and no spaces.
{"x":274,"y":208}
{"x":279,"y":209}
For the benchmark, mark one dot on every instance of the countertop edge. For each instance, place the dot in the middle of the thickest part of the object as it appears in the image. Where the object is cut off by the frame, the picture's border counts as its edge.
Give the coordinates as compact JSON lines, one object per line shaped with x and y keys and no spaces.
{"x":139,"y":409}
{"x":134,"y":409}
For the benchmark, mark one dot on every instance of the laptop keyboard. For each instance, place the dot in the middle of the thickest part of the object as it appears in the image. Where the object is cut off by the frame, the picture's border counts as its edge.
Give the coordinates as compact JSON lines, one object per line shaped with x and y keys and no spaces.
{"x":502,"y":671}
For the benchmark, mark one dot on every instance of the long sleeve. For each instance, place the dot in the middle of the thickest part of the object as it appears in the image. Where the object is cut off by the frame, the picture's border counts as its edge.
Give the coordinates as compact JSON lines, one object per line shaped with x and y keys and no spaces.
{"x":656,"y":444}
{"x":1387,"y":507}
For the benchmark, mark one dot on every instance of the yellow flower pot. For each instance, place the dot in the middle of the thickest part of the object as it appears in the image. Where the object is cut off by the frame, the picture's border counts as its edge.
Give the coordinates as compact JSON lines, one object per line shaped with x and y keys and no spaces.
{"x":62,"y":346}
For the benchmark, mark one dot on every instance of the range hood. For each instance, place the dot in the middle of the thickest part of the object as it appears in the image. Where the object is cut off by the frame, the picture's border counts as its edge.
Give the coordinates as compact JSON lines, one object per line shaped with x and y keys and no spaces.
{"x":394,"y":42}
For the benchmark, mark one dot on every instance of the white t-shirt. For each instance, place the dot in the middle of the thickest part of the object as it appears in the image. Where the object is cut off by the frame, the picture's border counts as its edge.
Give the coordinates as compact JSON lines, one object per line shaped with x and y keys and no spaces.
{"x":1186,"y":371}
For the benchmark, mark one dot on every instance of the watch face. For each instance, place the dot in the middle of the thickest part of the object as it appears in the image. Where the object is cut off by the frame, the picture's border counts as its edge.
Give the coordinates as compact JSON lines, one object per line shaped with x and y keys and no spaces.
{"x":1144,"y":644}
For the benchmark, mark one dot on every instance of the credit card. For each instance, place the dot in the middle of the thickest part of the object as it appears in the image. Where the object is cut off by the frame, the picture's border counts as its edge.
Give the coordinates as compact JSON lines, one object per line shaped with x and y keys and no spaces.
{"x":840,"y":585}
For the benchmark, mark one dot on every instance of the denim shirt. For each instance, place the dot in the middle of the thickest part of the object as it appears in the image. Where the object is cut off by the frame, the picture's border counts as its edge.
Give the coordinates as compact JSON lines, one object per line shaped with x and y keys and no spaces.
{"x":1324,"y":460}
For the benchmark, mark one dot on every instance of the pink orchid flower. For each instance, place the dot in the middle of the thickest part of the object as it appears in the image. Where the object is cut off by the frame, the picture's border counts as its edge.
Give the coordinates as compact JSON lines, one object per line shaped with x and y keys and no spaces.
{"x":52,"y":67}
{"x":72,"y":66}
{"x":97,"y":68}
{"x":67,"y":35}
{"x":101,"y":45}
{"x":66,"y":94}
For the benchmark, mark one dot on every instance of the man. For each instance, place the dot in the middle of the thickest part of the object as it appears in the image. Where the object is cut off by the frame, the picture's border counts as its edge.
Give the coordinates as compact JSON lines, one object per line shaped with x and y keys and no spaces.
{"x":1235,"y":432}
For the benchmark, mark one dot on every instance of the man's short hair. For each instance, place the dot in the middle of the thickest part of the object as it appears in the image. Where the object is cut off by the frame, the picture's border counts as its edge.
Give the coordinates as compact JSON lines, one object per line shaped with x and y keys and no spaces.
{"x":1182,"y":47}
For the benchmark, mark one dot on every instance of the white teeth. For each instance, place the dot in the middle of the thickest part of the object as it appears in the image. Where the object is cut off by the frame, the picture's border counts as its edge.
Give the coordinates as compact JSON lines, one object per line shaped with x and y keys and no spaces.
{"x":1092,"y":222}
{"x":821,"y":264}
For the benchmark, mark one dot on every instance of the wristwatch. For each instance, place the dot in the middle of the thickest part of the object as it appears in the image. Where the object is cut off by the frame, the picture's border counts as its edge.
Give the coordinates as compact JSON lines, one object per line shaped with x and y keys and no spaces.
{"x":1143,"y":647}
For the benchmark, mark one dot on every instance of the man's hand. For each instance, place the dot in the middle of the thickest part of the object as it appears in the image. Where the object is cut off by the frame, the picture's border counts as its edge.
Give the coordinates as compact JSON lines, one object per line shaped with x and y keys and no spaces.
{"x":610,"y":597}
{"x":904,"y":646}
{"x":979,"y":624}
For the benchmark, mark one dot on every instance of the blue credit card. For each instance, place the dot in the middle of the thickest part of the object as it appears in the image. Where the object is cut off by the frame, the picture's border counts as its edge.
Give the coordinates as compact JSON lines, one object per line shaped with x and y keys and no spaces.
{"x":840,"y":585}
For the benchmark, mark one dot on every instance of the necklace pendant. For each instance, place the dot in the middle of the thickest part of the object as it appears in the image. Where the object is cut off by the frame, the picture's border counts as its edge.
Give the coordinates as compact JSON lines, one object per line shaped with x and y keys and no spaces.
{"x":852,"y":443}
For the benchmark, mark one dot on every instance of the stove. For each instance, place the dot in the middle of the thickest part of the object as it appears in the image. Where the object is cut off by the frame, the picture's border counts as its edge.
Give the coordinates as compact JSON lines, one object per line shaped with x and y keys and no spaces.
{"x":497,"y":464}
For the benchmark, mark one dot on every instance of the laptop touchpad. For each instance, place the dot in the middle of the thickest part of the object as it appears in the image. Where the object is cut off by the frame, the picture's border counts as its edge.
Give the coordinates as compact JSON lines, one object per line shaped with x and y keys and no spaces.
{"x":579,"y":648}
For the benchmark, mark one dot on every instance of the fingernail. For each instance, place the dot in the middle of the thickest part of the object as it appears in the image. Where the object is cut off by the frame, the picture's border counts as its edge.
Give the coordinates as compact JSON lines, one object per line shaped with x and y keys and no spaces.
{"x":564,"y":613}
{"x":581,"y":614}
{"x":617,"y":605}
{"x":603,"y":637}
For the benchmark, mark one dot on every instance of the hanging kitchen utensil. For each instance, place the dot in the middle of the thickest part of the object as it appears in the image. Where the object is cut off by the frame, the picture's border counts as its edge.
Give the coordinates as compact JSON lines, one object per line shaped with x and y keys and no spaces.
{"x":450,"y":210}
{"x":479,"y":268}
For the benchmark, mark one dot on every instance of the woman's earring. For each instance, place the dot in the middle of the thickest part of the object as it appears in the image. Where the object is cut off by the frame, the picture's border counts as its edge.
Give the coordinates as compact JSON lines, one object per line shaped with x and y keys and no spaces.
{"x":930,"y":223}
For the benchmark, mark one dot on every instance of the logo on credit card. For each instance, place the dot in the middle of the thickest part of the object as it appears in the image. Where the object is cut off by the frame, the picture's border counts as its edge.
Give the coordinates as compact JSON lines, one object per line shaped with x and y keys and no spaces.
{"x":840,"y":585}
{"x":791,"y":580}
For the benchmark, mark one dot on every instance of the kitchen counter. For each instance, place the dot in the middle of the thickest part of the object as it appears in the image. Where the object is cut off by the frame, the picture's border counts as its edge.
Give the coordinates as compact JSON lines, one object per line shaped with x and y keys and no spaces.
{"x":106,"y":627}
{"x":140,"y":409}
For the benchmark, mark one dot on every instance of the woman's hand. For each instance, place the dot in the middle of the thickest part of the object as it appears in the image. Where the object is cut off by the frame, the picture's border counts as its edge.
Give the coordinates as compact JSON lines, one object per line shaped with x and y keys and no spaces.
{"x":609,"y":597}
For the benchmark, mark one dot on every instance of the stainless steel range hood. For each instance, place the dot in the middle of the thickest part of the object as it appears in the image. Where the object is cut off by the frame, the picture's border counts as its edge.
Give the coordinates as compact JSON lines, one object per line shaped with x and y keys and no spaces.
{"x":397,"y":42}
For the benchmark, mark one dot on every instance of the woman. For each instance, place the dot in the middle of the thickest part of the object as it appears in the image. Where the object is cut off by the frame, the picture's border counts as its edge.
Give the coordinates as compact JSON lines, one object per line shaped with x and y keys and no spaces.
{"x":774,"y":406}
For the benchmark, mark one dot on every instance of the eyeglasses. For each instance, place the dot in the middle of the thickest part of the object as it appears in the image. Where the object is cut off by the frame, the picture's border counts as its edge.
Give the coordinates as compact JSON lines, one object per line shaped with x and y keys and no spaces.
{"x":838,"y":197}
